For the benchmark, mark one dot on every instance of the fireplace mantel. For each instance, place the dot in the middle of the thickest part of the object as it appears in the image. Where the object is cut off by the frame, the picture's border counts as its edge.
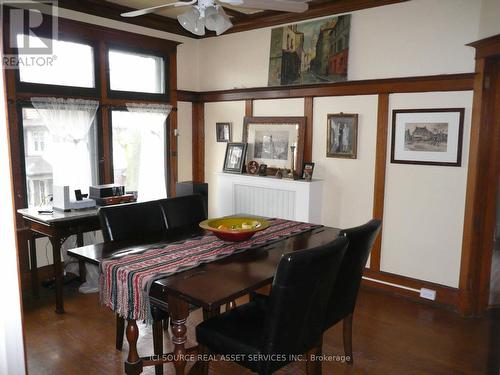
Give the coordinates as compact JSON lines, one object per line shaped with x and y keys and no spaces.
{"x":269,"y":196}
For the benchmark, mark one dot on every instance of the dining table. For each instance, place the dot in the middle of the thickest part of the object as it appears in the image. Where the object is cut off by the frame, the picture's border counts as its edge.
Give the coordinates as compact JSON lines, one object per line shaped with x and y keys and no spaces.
{"x":208,"y":286}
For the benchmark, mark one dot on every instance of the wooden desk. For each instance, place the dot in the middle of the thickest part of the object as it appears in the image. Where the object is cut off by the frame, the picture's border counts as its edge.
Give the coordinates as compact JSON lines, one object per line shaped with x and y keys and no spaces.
{"x":57,"y":226}
{"x":208,"y":286}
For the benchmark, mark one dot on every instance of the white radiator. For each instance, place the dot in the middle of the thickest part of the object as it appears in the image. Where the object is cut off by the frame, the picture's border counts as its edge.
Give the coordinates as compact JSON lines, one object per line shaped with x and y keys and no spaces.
{"x":270,"y":197}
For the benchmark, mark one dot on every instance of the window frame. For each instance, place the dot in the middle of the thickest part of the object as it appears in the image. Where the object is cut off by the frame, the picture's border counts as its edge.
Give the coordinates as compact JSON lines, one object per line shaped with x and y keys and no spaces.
{"x":135,"y":95}
{"x":62,"y":90}
{"x":99,"y":38}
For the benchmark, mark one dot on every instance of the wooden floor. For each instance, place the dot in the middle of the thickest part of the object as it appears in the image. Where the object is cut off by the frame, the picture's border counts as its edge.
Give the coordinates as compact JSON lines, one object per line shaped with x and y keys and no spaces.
{"x":391,"y":336}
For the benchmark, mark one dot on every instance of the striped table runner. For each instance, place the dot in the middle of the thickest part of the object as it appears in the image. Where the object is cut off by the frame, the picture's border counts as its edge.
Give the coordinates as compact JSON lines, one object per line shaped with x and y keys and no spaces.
{"x":125,"y":282}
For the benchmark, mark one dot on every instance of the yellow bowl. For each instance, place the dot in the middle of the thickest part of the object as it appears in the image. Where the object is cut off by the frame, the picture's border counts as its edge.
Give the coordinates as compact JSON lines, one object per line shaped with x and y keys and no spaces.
{"x":235,"y":229}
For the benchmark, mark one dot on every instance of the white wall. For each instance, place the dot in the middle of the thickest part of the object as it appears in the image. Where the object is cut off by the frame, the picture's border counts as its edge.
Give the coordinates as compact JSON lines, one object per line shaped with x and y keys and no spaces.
{"x":424,"y":205}
{"x":419,"y":37}
{"x":214,"y":151}
{"x":348,"y":198}
{"x":490,"y":18}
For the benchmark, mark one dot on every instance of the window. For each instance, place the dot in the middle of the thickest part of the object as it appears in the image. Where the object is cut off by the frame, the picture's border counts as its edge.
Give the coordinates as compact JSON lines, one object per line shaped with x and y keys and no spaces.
{"x":139,"y":149}
{"x":73,"y":65}
{"x":44,"y":164}
{"x":135,"y":72}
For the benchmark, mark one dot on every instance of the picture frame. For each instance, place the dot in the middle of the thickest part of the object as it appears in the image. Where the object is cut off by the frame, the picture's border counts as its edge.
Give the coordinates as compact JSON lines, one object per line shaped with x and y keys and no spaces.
{"x":270,"y":139}
{"x":262,"y":170}
{"x":307,"y":171}
{"x":432,"y":136}
{"x":223,"y":132}
{"x":342,"y":136}
{"x":234,"y":161}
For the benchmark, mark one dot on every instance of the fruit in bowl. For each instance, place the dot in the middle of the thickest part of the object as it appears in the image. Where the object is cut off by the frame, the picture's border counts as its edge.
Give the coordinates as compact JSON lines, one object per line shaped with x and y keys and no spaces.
{"x":234,"y":228}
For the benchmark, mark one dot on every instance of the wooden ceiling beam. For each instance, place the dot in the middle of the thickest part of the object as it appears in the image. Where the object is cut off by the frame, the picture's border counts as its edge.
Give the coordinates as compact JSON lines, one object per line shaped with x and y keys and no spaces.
{"x":241,"y":21}
{"x":112,"y":11}
{"x":318,"y":8}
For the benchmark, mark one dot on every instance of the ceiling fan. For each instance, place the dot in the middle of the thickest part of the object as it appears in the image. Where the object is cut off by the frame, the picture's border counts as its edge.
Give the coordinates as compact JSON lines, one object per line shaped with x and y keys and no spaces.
{"x":210,"y":14}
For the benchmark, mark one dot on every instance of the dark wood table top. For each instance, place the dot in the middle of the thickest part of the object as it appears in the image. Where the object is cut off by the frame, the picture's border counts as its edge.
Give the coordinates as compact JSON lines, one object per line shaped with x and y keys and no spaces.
{"x":213,"y":284}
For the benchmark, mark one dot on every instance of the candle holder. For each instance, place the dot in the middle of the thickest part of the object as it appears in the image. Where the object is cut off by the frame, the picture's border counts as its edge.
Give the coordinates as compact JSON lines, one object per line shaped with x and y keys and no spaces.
{"x":292,"y":175}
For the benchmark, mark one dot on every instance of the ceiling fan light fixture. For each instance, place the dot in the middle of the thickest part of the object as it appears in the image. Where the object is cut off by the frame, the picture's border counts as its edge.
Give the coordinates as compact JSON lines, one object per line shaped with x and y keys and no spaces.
{"x":192,"y":22}
{"x":217,"y":20}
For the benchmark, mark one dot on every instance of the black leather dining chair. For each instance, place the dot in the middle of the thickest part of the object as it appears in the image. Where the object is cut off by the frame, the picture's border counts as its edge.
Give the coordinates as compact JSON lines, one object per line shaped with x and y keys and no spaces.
{"x":288,"y":323}
{"x":183,"y":211}
{"x":345,"y":291}
{"x":136,"y":221}
{"x":132,"y":221}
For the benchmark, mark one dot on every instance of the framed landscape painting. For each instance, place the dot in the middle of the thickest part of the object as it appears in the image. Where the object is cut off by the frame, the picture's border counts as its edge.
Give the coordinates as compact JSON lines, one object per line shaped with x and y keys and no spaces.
{"x":310,"y":52}
{"x":427,"y":136}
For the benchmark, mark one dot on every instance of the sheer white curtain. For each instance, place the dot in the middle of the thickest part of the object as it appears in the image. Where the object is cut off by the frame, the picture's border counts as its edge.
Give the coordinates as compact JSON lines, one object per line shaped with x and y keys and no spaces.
{"x":151,"y":120}
{"x":68,"y":121}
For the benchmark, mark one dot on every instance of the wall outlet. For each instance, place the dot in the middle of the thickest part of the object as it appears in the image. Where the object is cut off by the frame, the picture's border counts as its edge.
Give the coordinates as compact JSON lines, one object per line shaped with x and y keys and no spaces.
{"x":428,"y":294}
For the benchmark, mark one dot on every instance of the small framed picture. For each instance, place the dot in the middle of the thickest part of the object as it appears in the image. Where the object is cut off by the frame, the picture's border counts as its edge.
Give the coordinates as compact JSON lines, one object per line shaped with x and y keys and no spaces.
{"x":253,"y":167}
{"x":234,"y":162}
{"x":263,"y":170}
{"x":307,"y":171}
{"x":427,"y":136}
{"x":342,"y":136}
{"x":223,"y":131}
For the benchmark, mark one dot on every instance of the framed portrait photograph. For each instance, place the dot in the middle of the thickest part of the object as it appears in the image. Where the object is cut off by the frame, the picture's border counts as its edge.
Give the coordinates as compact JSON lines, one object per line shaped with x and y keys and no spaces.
{"x":307,"y":171}
{"x":234,"y":161}
{"x":223,"y":131}
{"x":271,"y":139}
{"x":427,"y":136}
{"x":342,"y":136}
{"x":262,"y":170}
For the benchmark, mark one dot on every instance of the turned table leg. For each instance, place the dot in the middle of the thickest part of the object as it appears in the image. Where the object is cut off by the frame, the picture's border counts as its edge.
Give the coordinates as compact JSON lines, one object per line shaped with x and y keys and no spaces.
{"x":179,"y":311}
{"x":133,"y":365}
{"x":58,"y":273}
{"x":33,"y":266}
{"x":81,"y":264}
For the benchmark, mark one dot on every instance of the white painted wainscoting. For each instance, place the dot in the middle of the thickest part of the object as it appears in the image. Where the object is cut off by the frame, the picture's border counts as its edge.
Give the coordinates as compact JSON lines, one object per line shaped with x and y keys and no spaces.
{"x":269,"y":197}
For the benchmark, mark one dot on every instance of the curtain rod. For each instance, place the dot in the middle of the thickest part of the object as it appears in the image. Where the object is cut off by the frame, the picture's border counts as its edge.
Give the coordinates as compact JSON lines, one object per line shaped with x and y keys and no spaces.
{"x":121,"y":106}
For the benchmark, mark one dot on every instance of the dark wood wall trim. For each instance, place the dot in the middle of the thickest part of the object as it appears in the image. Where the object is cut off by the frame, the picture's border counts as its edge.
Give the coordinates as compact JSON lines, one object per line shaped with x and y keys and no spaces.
{"x":198,"y":142}
{"x":380,"y":170}
{"x":445,"y":295}
{"x":172,"y":154}
{"x":482,"y":180}
{"x":248,"y":108}
{"x":309,"y":114}
{"x":187,"y":96}
{"x":444,"y":82}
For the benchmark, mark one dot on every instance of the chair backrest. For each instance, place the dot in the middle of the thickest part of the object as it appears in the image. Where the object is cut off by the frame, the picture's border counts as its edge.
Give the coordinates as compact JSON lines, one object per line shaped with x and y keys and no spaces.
{"x":132,"y":221}
{"x":345,"y":290}
{"x":299,"y":298}
{"x":184,"y":211}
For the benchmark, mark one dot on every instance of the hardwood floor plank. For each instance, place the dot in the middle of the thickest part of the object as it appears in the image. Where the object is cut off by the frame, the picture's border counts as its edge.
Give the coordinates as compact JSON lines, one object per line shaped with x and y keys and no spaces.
{"x":390,"y":336}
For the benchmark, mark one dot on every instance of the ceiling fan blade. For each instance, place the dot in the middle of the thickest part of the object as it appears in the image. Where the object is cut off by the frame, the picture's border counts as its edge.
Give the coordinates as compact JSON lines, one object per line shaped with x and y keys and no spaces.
{"x":280,"y":5}
{"x":141,"y":12}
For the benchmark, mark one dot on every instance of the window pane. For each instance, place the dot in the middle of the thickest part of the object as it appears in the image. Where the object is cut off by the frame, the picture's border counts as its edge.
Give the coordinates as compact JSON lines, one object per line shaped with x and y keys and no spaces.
{"x":73,"y":65}
{"x":45,"y":152}
{"x":136,"y":72}
{"x":139,"y":157}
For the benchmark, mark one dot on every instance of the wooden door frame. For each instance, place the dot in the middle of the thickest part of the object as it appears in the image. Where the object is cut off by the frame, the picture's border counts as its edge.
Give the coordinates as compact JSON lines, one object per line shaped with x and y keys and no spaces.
{"x":482,"y":181}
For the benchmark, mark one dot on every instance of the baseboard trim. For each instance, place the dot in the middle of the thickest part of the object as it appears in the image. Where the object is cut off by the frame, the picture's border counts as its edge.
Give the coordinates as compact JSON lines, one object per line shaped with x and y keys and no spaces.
{"x":409,"y":287}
